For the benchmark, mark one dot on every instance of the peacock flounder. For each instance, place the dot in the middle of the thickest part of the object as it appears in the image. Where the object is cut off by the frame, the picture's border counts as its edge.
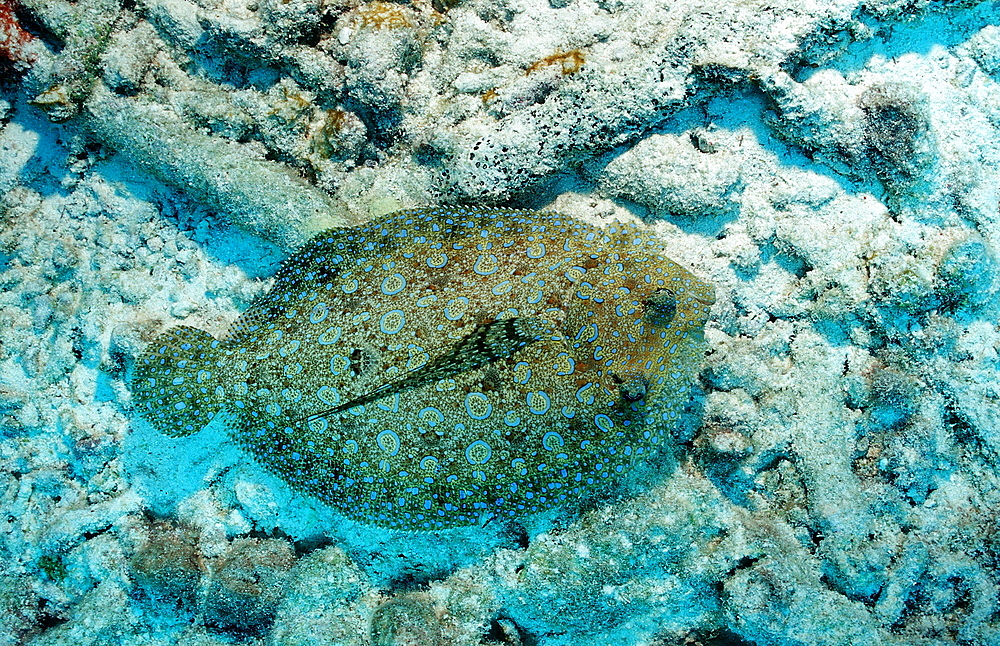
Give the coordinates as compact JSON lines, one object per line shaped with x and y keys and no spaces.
{"x":439,"y":367}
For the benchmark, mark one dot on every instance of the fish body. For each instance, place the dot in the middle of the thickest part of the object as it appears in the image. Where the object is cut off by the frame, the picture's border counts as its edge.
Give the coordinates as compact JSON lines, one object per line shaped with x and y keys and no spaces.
{"x":438,"y":367}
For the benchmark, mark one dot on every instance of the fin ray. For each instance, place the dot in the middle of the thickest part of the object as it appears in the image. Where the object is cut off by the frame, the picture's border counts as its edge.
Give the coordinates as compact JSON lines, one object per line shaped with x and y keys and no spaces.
{"x":488,"y":343}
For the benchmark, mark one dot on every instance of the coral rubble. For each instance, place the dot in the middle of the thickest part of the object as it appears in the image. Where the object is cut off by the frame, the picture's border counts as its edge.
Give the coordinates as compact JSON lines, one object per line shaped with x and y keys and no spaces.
{"x":830,"y":167}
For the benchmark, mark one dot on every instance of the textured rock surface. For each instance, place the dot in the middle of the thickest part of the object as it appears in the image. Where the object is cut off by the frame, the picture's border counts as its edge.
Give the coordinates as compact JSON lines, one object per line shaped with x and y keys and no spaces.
{"x":830,"y":168}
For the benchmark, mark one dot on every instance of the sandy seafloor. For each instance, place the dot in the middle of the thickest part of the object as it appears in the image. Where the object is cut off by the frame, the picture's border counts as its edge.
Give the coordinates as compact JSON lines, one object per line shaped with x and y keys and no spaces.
{"x":831,"y":167}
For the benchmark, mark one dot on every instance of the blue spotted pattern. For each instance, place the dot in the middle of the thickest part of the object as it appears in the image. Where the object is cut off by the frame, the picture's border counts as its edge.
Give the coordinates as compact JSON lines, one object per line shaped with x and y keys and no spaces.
{"x":440,"y":367}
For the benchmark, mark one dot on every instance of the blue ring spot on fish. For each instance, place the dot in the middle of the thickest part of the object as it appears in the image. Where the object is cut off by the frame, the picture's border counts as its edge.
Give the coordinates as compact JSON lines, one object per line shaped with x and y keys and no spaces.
{"x":393,"y":284}
{"x":330,"y":336}
{"x":568,"y":367}
{"x":388,"y":440}
{"x":392,"y":322}
{"x":456,"y":308}
{"x":502,"y":288}
{"x":328,"y":395}
{"x":319,"y":313}
{"x":538,"y":402}
{"x":522,"y":372}
{"x":552,"y":441}
{"x":437,"y":260}
{"x":478,"y":406}
{"x":289,"y":348}
{"x":339,"y":364}
{"x":479,"y":452}
{"x":431,"y":415}
{"x":486,"y":265}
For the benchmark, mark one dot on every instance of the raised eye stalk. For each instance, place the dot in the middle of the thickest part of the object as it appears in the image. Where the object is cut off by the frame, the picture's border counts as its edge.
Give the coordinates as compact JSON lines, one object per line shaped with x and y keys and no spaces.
{"x":660,"y":308}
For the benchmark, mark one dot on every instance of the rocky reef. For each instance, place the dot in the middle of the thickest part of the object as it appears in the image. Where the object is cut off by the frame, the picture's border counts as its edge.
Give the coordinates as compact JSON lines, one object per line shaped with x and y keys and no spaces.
{"x":830,"y":168}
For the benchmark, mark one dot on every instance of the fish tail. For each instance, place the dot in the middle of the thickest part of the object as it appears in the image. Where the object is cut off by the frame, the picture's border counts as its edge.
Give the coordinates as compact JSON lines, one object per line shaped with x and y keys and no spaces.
{"x":176,"y":384}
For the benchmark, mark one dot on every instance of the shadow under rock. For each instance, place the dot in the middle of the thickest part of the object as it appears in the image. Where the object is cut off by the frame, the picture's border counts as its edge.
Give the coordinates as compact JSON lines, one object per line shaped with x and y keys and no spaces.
{"x":941,"y":28}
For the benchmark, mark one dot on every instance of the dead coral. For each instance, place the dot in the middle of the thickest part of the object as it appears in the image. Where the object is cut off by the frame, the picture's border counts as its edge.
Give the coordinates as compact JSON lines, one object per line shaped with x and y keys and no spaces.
{"x":896,"y":130}
{"x":382,"y":15}
{"x":14,"y":40}
{"x":168,"y":568}
{"x":569,"y":62}
{"x":248,"y":584}
{"x":406,"y":619}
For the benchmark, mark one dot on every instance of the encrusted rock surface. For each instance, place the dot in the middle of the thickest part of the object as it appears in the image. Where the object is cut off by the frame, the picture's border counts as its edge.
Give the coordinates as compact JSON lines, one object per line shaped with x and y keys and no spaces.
{"x":831,"y":168}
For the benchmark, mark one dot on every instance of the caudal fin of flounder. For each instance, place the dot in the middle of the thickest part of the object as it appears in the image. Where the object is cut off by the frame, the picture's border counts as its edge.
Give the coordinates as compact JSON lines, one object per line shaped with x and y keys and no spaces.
{"x":176,"y":381}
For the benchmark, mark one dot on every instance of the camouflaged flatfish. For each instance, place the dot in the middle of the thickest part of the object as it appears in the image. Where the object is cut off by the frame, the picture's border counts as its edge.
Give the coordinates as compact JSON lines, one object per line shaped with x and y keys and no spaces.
{"x":440,"y":367}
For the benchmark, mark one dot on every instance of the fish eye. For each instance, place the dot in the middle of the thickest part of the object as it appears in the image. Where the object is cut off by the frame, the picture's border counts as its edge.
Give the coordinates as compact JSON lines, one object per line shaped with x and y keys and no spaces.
{"x":661,"y":308}
{"x":632,"y":387}
{"x":363,"y":362}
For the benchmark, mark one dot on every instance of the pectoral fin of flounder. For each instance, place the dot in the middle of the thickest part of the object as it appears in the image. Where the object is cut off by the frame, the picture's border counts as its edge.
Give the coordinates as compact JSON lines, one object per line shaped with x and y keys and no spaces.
{"x":487,"y":343}
{"x":175,"y":385}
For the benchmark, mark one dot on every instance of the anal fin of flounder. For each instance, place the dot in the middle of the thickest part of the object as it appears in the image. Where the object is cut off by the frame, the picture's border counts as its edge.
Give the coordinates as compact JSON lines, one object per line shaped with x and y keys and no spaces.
{"x":175,"y":384}
{"x":487,"y":343}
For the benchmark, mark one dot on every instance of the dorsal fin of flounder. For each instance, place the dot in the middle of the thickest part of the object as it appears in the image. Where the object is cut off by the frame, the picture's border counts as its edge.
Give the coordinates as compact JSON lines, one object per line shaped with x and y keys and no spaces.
{"x":441,"y":366}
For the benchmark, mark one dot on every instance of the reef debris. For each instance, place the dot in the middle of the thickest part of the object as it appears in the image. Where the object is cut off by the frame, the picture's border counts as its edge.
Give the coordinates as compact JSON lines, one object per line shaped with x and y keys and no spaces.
{"x":14,"y":40}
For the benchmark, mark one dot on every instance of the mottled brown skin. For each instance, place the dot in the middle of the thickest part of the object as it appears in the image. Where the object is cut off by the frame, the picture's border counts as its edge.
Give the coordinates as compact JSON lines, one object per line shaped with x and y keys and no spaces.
{"x":439,"y":367}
